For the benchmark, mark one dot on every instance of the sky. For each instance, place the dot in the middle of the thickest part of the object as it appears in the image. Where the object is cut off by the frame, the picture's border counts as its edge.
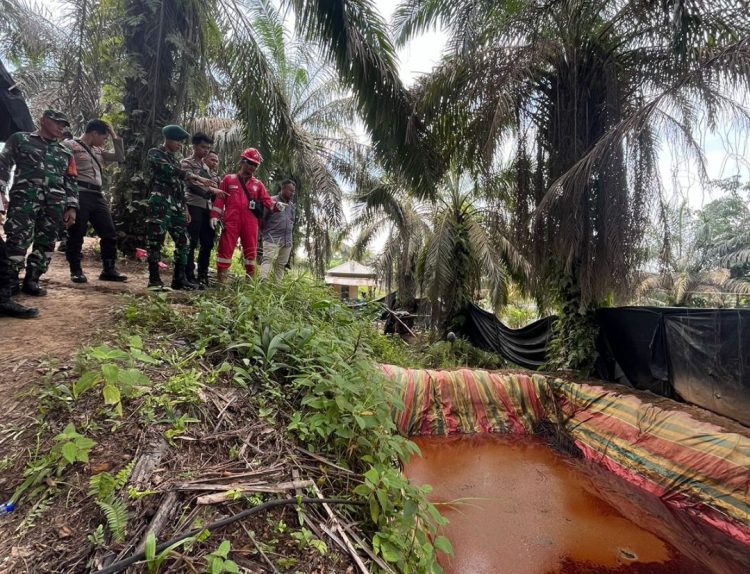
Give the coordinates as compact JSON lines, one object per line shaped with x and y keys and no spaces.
{"x":421,"y":54}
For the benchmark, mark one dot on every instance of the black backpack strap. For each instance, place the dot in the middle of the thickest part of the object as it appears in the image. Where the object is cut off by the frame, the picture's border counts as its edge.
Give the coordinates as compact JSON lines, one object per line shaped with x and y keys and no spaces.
{"x":91,"y":153}
{"x":258,"y":210}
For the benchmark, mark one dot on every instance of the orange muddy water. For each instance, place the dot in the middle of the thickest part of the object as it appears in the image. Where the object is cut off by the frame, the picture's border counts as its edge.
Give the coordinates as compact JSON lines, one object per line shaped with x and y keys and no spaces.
{"x":515,"y":506}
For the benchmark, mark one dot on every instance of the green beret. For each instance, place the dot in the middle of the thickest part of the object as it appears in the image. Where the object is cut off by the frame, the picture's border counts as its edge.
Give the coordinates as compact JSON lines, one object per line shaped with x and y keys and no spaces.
{"x":173,"y":132}
{"x":56,"y":116}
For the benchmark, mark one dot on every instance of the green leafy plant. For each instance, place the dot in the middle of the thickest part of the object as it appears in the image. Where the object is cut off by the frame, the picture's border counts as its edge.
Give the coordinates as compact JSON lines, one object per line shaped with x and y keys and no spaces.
{"x":218,"y":561}
{"x":179,"y":427}
{"x":305,"y":539}
{"x":117,"y":382}
{"x":154,"y":560}
{"x":315,"y":361}
{"x":97,"y":536}
{"x":69,"y":447}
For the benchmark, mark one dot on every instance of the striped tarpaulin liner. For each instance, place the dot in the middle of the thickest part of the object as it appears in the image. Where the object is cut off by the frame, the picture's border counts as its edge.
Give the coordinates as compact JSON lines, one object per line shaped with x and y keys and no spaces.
{"x":690,"y":464}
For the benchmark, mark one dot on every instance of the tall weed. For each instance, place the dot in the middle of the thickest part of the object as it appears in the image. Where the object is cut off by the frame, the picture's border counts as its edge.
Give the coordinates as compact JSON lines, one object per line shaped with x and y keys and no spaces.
{"x":301,"y":350}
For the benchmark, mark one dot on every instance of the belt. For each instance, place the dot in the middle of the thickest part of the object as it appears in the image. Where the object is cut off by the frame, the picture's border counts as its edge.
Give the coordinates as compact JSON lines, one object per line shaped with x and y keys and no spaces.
{"x":85,"y":186}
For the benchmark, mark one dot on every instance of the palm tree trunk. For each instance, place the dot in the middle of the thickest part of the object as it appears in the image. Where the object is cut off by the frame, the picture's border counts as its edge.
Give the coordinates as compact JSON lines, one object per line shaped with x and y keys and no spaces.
{"x":148,"y":91}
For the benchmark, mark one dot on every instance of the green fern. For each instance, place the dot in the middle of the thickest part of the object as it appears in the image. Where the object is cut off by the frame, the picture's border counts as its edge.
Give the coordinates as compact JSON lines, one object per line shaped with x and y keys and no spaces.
{"x":97,"y":536}
{"x":121,"y":478}
{"x":102,"y":486}
{"x":116,"y":514}
{"x":39,"y":508}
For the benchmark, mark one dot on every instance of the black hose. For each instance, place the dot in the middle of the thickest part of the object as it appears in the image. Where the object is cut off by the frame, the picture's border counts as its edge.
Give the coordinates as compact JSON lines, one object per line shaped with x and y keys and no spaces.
{"x":124,"y":563}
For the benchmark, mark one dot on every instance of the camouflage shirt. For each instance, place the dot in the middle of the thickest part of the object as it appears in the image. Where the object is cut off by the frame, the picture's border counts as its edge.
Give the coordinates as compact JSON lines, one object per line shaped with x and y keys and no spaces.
{"x":39,"y":163}
{"x":166,"y":174}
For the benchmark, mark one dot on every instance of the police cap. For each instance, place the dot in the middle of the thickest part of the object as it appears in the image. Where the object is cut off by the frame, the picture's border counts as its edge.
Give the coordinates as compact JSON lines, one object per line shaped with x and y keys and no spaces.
{"x":173,"y":132}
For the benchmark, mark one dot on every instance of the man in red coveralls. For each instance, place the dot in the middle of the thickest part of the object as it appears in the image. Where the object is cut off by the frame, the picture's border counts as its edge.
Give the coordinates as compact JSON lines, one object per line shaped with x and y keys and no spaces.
{"x":240,"y":211}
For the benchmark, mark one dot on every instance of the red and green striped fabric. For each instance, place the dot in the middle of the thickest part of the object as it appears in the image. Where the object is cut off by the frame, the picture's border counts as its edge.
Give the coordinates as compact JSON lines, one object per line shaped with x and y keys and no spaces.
{"x":692,"y":465}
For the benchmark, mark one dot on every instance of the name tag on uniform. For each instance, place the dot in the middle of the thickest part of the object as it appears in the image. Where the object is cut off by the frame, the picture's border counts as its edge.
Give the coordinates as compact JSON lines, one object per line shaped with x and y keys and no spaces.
{"x":234,"y":187}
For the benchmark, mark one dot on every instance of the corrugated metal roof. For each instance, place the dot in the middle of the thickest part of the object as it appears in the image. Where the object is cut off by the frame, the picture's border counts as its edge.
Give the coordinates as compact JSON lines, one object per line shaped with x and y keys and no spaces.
{"x":352,"y":269}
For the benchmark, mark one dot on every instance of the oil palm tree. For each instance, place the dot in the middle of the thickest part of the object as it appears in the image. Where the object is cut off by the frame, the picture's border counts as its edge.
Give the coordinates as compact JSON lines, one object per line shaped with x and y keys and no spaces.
{"x":587,"y":90}
{"x":60,"y":59}
{"x":704,"y":263}
{"x":461,"y":256}
{"x":384,"y":208}
{"x":684,"y":286}
{"x":443,"y":247}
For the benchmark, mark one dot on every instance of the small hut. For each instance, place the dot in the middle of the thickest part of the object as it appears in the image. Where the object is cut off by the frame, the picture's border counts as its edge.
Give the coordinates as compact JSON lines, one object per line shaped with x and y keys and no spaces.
{"x":349,"y":278}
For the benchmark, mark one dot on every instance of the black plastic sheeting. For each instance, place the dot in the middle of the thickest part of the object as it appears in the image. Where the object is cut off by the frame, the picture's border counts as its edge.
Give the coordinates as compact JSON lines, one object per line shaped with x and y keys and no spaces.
{"x":14,"y":114}
{"x":526,"y":347}
{"x":701,"y":356}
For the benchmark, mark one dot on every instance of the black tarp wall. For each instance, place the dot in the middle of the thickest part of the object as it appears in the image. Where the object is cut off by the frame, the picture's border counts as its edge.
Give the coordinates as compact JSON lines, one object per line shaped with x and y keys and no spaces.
{"x":698,"y":355}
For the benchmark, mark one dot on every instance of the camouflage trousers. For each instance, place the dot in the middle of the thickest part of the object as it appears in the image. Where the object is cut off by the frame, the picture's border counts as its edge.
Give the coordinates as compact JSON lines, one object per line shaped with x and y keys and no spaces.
{"x":34,"y":216}
{"x":166,"y":215}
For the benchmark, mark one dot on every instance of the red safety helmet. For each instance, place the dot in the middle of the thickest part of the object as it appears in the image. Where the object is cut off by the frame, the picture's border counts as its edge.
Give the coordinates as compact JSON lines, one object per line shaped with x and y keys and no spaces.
{"x":253,"y":155}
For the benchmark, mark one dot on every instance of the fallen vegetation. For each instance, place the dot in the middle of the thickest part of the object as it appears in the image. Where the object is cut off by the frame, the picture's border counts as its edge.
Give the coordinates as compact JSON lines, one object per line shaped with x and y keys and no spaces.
{"x":218,"y":423}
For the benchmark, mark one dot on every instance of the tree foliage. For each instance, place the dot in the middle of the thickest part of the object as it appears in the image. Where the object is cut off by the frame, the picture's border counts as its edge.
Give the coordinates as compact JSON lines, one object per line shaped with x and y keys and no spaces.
{"x":449,"y":249}
{"x":587,"y":91}
{"x":707,"y":260}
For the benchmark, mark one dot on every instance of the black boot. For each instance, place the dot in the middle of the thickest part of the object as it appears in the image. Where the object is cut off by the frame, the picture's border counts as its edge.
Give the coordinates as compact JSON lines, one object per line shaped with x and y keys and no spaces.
{"x":180,"y":281}
{"x":109,"y":273}
{"x":76,"y":272}
{"x":9,"y":308}
{"x":154,"y":279}
{"x":190,"y":276}
{"x":15,"y":286}
{"x":31,"y":283}
{"x":203,"y":279}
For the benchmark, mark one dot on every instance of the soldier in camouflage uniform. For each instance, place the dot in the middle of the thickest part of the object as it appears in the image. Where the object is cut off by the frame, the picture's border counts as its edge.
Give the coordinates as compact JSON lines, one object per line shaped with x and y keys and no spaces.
{"x":9,"y":308}
{"x":44,"y":193}
{"x":167,"y":210}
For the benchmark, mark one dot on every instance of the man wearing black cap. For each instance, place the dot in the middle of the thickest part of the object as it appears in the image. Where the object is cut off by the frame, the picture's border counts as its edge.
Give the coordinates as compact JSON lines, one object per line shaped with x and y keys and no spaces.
{"x":44,"y":192}
{"x":167,"y":209}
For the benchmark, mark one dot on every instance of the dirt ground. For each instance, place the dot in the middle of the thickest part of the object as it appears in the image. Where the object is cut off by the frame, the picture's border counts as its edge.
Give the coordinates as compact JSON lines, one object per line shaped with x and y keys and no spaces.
{"x":70,"y":316}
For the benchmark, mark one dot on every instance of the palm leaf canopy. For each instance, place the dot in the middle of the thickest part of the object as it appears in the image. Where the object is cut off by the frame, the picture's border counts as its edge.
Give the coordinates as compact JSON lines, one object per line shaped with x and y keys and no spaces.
{"x":588,"y":93}
{"x":354,"y":36}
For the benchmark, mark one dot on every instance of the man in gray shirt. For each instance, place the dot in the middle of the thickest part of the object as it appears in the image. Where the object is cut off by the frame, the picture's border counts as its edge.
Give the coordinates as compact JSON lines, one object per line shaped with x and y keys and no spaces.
{"x":94,"y":208}
{"x":277,"y":233}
